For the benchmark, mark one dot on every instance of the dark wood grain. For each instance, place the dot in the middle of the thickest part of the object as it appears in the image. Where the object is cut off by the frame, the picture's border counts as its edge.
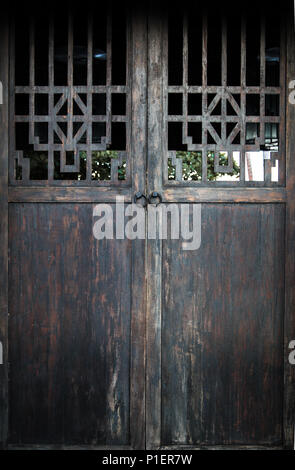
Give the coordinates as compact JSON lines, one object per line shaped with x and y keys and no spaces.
{"x":36,"y":296}
{"x":107,"y":194}
{"x":233,"y":195}
{"x":72,"y":391}
{"x":50,"y":194}
{"x":4,"y":230}
{"x":189,"y":293}
{"x":154,"y":247}
{"x":70,"y":302}
{"x":222,"y":330}
{"x":289,"y":322}
{"x":138,"y":165}
{"x":132,"y":345}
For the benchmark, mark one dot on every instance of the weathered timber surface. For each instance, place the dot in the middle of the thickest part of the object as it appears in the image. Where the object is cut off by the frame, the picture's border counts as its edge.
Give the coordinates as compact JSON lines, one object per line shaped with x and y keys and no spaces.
{"x":222,"y":330}
{"x":70,"y":301}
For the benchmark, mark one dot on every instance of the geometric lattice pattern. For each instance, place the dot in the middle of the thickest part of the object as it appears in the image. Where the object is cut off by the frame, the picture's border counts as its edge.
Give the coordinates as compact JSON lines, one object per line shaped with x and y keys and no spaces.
{"x":69,"y":131}
{"x":213,"y":120}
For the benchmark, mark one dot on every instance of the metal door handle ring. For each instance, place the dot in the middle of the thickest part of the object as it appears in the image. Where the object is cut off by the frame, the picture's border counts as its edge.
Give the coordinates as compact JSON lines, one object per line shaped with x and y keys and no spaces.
{"x":155,"y":195}
{"x":138,"y":196}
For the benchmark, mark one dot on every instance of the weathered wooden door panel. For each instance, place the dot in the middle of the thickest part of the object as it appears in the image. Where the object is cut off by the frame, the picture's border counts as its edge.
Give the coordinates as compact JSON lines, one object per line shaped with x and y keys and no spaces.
{"x":70,"y":303}
{"x":218,"y":336}
{"x":76,"y":303}
{"x":222,"y":330}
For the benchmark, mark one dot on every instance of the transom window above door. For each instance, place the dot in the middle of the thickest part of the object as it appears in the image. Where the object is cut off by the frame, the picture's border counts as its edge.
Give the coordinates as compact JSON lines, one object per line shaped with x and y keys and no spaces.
{"x":223,"y":108}
{"x":224,"y":99}
{"x":70,"y":98}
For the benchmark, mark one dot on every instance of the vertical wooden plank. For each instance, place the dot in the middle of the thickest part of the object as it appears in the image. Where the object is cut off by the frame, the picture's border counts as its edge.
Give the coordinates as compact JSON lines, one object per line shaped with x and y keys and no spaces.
{"x":154,"y":247}
{"x":89,"y":94}
{"x":96,"y":331}
{"x":283,"y":85}
{"x":204,"y":93}
{"x":184,"y":79}
{"x":223,"y":77}
{"x":129,"y":103}
{"x":32,"y":79}
{"x":243,"y":93}
{"x":178,"y":175}
{"x":138,"y":146}
{"x":262,"y":79}
{"x":289,"y":379}
{"x":70,"y":78}
{"x":51,"y":99}
{"x":181,"y":348}
{"x":4,"y":231}
{"x":109,"y":77}
{"x":11,"y":108}
{"x":36,"y":334}
{"x":267,"y":163}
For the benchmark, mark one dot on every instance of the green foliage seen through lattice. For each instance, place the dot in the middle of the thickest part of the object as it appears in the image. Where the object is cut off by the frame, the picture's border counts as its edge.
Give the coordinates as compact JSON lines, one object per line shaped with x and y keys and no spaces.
{"x":192,"y":166}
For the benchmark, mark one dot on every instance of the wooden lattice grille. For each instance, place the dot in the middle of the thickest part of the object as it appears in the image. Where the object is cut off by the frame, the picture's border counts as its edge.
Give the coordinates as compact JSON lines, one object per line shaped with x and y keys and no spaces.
{"x":75,"y":133}
{"x":70,"y":124}
{"x":209,"y":122}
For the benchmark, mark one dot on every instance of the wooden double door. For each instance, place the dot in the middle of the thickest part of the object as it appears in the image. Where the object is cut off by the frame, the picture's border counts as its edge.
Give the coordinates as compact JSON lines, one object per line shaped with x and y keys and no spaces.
{"x":140,"y":343}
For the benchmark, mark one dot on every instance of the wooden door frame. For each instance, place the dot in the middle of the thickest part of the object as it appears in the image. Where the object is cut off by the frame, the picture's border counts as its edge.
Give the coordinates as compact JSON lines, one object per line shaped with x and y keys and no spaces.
{"x":4,"y":231}
{"x":150,"y":415}
{"x":289,"y":320}
{"x":286,"y":195}
{"x":154,"y":247}
{"x":138,"y":308}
